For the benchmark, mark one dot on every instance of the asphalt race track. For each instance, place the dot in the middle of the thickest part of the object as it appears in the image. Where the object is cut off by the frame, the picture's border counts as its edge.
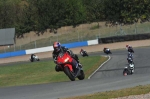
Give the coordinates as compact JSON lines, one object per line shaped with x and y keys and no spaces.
{"x":108,"y":77}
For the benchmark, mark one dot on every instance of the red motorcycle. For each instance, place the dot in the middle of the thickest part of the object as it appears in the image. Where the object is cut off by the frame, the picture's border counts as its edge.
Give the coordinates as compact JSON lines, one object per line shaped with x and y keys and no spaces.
{"x":65,"y":61}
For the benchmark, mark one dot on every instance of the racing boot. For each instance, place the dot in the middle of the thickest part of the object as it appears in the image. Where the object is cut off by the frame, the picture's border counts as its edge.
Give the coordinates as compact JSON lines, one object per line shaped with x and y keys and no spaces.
{"x":80,"y":65}
{"x":58,"y":68}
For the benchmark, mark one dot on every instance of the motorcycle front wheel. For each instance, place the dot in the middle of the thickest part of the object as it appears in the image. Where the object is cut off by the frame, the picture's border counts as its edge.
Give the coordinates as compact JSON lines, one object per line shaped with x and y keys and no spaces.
{"x":69,"y":73}
{"x":86,"y":54}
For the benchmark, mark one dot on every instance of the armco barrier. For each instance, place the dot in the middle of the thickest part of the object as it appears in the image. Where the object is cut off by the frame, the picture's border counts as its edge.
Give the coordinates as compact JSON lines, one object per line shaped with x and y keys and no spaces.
{"x":92,"y":42}
{"x":39,"y":50}
{"x":49,"y":48}
{"x":124,"y":38}
{"x":12,"y":54}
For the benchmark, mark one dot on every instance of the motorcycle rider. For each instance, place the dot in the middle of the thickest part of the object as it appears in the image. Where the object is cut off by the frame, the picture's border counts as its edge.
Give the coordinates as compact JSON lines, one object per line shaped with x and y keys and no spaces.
{"x":57,"y":49}
{"x":81,"y":51}
{"x":129,"y":48}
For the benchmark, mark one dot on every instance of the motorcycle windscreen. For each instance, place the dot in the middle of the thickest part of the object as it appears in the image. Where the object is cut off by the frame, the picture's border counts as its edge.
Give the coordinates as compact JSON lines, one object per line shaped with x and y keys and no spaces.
{"x":63,"y":58}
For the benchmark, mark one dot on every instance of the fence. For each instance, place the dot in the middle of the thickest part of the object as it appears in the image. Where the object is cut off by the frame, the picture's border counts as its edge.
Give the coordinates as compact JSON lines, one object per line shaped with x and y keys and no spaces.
{"x":83,"y":32}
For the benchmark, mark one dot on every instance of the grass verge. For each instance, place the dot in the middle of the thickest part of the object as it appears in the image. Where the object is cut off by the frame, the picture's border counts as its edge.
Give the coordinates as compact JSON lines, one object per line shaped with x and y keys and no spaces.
{"x":115,"y":94}
{"x":43,"y":72}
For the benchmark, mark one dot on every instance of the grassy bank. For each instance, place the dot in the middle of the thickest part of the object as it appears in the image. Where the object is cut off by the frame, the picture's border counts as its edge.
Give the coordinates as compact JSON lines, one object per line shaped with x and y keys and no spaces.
{"x":118,"y":93}
{"x":42,"y":72}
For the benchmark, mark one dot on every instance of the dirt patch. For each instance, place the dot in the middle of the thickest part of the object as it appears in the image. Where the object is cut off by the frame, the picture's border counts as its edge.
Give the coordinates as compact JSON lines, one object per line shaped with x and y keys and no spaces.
{"x":143,"y":96}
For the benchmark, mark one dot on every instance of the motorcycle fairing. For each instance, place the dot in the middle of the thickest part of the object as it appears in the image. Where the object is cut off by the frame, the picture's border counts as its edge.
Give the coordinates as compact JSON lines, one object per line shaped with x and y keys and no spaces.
{"x":65,"y":59}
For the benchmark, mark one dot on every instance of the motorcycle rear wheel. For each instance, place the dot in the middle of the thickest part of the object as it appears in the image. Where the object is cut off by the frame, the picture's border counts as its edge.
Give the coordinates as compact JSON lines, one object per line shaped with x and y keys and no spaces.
{"x":31,"y":60}
{"x":69,"y":74}
{"x":82,"y":75}
{"x":86,"y":54}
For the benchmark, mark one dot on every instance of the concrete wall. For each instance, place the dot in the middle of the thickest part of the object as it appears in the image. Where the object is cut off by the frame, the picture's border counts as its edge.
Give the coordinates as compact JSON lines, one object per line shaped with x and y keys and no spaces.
{"x":46,"y":49}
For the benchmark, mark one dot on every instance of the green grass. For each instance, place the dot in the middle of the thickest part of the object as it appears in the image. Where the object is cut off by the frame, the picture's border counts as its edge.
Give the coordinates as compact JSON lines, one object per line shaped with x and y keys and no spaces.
{"x":42,"y":72}
{"x":117,"y":93}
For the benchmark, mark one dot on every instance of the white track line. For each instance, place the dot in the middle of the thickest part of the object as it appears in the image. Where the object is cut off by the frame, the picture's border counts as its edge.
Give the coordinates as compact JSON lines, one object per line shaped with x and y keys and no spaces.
{"x":99,"y":67}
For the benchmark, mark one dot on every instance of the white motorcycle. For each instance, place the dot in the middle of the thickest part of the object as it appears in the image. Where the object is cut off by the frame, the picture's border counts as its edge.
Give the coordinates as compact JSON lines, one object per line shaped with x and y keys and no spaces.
{"x":128,"y":70}
{"x":34,"y":58}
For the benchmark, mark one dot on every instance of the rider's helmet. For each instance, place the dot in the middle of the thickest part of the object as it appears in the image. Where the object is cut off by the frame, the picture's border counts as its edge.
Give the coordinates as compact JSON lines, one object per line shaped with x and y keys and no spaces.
{"x":56,"y":46}
{"x":127,"y":45}
{"x":104,"y":48}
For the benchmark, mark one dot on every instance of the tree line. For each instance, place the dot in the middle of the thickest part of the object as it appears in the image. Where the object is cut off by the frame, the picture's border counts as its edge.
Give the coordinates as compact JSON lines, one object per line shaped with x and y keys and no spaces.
{"x":39,"y":15}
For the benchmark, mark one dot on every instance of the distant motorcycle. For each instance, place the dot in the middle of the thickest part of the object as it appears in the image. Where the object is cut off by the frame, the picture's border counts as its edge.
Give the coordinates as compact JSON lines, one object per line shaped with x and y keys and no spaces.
{"x":107,"y":51}
{"x":83,"y":53}
{"x":130,"y":60}
{"x":131,"y":50}
{"x":34,"y":58}
{"x":128,"y":70}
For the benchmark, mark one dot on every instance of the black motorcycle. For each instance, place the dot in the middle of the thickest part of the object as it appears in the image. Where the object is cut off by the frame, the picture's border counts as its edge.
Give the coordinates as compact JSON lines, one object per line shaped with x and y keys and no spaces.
{"x":130,"y":60}
{"x":131,"y":50}
{"x":84,"y":53}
